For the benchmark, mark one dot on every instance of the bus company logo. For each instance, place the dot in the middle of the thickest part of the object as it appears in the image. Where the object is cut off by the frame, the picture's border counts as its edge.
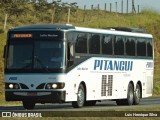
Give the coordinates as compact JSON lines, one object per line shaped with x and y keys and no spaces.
{"x":113,"y":65}
{"x":149,"y":65}
{"x":13,"y":78}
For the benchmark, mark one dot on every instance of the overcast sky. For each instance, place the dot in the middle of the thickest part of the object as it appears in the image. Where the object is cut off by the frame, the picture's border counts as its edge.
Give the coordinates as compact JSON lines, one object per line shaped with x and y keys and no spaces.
{"x":149,"y":4}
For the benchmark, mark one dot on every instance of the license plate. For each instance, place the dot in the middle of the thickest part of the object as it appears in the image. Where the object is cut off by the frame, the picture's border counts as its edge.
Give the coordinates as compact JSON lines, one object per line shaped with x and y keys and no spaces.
{"x":32,"y":93}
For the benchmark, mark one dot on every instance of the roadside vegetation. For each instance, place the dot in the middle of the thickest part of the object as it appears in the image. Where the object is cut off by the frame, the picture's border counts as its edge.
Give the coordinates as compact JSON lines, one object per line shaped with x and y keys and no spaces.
{"x":30,"y":12}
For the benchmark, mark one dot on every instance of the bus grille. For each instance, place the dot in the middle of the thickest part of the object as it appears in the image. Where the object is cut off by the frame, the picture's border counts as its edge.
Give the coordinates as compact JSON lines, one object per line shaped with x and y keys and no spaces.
{"x":110,"y":82}
{"x":23,"y":86}
{"x":104,"y":84}
{"x":106,"y":88}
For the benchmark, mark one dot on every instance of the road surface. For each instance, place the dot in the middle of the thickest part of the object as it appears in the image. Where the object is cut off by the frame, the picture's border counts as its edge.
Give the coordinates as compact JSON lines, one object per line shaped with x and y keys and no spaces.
{"x":152,"y":102}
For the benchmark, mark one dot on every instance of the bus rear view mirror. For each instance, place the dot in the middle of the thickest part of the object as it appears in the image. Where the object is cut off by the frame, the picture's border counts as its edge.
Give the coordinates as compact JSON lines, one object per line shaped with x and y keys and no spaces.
{"x":70,"y":54}
{"x":4,"y":52}
{"x":71,"y":51}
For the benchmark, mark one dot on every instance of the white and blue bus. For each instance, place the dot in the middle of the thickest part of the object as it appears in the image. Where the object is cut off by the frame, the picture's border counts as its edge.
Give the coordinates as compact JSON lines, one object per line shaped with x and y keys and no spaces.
{"x":56,"y":63}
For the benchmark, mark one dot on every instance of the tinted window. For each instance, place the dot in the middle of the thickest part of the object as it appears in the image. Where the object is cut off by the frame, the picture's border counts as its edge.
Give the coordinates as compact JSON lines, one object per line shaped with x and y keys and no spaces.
{"x":53,"y":58}
{"x":20,"y":54}
{"x":149,"y":48}
{"x":141,"y":47}
{"x":119,"y":45}
{"x":44,"y":55}
{"x":94,"y":44}
{"x":130,"y":46}
{"x":81,"y":43}
{"x":107,"y":46}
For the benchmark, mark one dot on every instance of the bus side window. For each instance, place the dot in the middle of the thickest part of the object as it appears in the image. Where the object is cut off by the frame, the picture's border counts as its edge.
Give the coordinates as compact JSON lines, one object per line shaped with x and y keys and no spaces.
{"x":81,"y":43}
{"x":94,"y":44}
{"x":119,"y":45}
{"x":149,"y":48}
{"x":141,"y":47}
{"x":107,"y":46}
{"x":130,"y":46}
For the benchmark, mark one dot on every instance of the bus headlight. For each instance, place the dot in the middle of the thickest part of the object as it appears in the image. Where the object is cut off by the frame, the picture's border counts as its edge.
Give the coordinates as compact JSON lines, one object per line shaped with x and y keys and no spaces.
{"x":16,"y":86}
{"x":55,"y":86}
{"x":12,"y":86}
{"x":48,"y":86}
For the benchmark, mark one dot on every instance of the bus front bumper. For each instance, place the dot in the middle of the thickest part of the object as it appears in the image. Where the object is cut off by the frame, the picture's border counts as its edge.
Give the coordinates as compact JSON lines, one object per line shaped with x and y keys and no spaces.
{"x":37,"y":97}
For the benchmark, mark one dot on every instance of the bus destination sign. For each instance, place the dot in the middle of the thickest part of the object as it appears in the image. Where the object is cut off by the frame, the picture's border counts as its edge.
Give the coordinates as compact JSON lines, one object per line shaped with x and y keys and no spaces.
{"x":21,"y":36}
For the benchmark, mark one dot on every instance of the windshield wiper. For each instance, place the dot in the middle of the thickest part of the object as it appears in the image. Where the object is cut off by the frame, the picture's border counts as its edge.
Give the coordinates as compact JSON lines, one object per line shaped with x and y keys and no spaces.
{"x":27,"y":66}
{"x":41,"y":63}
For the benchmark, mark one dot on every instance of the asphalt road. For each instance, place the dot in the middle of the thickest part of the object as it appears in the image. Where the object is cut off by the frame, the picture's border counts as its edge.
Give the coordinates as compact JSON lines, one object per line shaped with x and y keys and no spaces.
{"x":146,"y":103}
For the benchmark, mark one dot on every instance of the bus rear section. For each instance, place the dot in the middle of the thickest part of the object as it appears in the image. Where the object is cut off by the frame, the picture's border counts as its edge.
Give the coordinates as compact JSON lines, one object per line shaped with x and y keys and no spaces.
{"x":110,"y":65}
{"x":117,"y":79}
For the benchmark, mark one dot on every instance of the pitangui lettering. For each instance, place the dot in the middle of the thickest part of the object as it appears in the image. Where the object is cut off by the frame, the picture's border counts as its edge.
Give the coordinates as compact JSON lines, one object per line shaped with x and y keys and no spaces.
{"x":113,"y":65}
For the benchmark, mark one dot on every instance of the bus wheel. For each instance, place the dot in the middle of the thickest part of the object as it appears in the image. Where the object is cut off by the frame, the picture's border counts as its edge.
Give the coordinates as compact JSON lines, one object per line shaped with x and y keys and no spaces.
{"x":80,"y":98}
{"x":28,"y":105}
{"x":130,"y":95}
{"x":137,"y":95}
{"x":90,"y":103}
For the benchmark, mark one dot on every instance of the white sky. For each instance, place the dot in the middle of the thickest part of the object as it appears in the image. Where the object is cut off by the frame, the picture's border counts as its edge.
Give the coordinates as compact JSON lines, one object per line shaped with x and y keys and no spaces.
{"x":150,"y":4}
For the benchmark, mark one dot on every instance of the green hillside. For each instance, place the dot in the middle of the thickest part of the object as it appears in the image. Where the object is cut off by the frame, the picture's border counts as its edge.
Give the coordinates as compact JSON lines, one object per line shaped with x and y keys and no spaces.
{"x":32,"y":13}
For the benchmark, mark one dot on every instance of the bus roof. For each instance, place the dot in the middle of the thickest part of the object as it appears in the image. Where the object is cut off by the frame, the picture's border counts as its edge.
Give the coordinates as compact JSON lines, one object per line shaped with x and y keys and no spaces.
{"x":43,"y":26}
{"x":80,"y":29}
{"x":113,"y":32}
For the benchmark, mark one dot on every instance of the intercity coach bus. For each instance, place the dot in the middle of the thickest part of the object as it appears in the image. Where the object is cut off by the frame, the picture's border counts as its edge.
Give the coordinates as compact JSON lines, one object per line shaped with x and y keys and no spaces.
{"x":58,"y":63}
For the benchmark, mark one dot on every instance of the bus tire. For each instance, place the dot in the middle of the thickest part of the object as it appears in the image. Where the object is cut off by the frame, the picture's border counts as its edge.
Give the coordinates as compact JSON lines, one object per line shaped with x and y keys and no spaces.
{"x":90,"y":103}
{"x":137,"y":95}
{"x":130,"y":95}
{"x":129,"y":100}
{"x":28,"y":105}
{"x":80,"y":98}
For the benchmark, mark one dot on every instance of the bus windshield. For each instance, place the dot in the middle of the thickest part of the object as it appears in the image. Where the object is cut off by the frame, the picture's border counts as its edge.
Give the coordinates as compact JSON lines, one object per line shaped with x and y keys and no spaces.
{"x":34,"y":55}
